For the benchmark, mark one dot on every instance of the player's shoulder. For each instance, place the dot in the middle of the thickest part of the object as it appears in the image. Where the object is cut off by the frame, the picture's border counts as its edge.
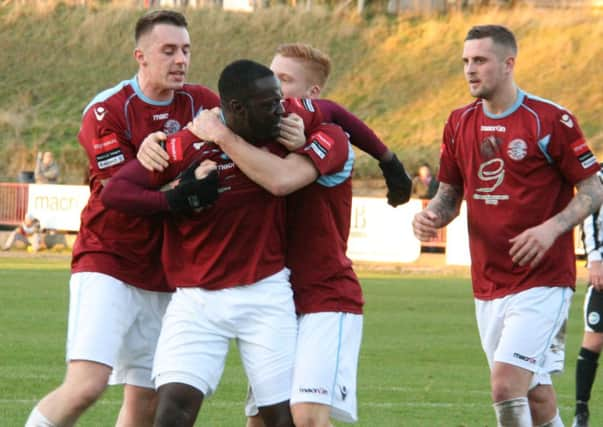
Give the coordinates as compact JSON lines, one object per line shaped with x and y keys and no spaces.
{"x":111,"y":98}
{"x":306,"y":108}
{"x":198,"y":91}
{"x":464,"y":112}
{"x":543,"y":106}
{"x":301,"y":105}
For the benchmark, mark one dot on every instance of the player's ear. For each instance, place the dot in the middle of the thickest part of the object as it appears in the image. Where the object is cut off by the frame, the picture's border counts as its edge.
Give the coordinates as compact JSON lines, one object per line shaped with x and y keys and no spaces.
{"x":314,"y":91}
{"x":236,"y":107}
{"x":139,"y":56}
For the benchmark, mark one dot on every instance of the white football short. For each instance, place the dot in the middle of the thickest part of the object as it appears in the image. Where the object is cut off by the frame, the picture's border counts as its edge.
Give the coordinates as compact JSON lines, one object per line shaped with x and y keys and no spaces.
{"x":199,"y":324}
{"x":326,"y":364}
{"x":113,"y":323}
{"x":527,"y":330}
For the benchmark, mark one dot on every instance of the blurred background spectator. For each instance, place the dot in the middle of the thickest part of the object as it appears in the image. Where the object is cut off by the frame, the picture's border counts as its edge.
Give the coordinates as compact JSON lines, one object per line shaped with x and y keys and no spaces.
{"x":47,"y":169}
{"x":424,"y":185}
{"x":28,"y":233}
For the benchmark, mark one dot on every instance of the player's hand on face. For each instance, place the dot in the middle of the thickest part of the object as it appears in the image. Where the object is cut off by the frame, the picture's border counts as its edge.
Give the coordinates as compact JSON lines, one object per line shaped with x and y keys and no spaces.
{"x":424,"y":225}
{"x":208,"y":125}
{"x":595,"y":274}
{"x":151,"y":154}
{"x":205,"y":168}
{"x":530,"y":246}
{"x":292,"y":134}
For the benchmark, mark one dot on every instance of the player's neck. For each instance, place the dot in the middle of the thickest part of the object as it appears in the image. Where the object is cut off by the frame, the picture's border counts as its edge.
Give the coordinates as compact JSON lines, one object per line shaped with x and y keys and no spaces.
{"x":503,"y":100}
{"x":154,"y":91}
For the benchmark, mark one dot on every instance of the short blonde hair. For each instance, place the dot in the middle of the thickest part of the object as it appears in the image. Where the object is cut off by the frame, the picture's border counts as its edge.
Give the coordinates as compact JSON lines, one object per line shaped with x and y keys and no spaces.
{"x":318,"y":62}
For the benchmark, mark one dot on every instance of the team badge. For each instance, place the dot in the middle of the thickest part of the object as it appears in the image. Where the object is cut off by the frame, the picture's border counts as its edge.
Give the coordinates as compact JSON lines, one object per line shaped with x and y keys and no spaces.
{"x":517,"y":149}
{"x":593,"y":318}
{"x":171,"y":126}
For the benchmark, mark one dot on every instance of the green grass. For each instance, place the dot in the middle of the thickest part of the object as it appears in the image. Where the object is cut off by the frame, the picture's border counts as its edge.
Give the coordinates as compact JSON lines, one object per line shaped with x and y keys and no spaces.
{"x":420,"y":365}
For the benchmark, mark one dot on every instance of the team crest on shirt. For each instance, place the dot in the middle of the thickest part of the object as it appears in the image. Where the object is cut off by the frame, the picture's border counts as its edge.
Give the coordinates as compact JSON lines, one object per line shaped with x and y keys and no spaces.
{"x":171,"y":126}
{"x":593,"y":318}
{"x":517,"y":149}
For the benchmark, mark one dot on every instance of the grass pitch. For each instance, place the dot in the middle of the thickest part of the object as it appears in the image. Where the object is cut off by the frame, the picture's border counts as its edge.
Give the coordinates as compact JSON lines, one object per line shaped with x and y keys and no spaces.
{"x":420,"y":365}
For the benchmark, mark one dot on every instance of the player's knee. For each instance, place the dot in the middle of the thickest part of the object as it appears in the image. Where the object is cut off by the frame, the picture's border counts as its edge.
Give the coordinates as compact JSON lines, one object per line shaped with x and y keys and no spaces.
{"x":501,"y":391}
{"x":543,"y":404}
{"x":85,"y":394}
{"x":177,"y":406}
{"x":278,"y":415}
{"x":311,"y":415}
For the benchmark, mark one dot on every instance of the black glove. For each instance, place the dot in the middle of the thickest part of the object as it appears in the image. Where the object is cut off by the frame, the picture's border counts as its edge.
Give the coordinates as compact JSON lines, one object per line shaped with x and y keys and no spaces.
{"x":192,"y":193}
{"x":399,"y":184}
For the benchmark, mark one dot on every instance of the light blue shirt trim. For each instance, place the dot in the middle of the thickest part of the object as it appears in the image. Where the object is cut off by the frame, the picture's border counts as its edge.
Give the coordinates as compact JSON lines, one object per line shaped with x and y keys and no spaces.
{"x":145,"y":98}
{"x":107,"y":93}
{"x":520,"y":97}
{"x":337,"y":178}
{"x":543,"y":144}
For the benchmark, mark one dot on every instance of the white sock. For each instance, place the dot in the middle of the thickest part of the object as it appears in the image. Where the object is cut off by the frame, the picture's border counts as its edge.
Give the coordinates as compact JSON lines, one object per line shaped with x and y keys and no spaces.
{"x":36,"y":419}
{"x":555,"y":422}
{"x":513,"y":413}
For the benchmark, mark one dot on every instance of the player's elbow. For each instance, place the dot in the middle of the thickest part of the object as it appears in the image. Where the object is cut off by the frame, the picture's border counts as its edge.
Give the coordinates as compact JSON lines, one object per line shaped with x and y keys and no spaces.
{"x":280,"y":188}
{"x":108,"y":196}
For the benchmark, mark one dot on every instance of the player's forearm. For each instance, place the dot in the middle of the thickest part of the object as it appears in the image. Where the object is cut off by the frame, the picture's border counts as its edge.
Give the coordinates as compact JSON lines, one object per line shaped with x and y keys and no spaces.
{"x":446,"y":204}
{"x":587,"y":200}
{"x":277,"y":175}
{"x":130,"y":191}
{"x":361,"y":135}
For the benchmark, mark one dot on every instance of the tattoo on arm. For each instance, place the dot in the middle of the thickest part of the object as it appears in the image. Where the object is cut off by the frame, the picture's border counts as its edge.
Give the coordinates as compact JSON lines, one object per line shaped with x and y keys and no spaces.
{"x":446,"y":203}
{"x":586,"y":201}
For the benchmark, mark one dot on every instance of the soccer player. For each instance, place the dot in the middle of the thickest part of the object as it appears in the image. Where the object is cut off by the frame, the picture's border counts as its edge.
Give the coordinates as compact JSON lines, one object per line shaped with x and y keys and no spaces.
{"x":592,"y":342}
{"x":328,"y":296}
{"x":515,"y":158}
{"x":303,"y":71}
{"x":226,"y":261}
{"x":118,"y":292}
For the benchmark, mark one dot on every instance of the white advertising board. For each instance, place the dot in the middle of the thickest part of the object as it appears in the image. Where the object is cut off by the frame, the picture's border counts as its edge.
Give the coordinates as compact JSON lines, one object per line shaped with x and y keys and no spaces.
{"x":380,"y":233}
{"x":457,"y":240}
{"x":58,"y":206}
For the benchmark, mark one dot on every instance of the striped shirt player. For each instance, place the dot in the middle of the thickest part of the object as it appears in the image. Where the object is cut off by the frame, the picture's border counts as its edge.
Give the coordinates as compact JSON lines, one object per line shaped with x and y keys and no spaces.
{"x":592,"y":341}
{"x":228,"y":265}
{"x":117,"y":250}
